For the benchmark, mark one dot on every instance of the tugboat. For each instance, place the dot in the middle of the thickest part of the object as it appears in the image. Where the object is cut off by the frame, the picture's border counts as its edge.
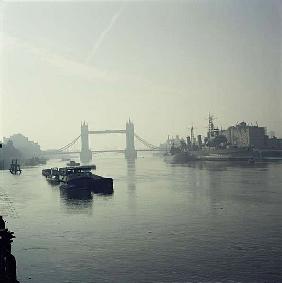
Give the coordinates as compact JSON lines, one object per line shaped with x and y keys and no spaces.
{"x":15,"y":167}
{"x":73,"y":163}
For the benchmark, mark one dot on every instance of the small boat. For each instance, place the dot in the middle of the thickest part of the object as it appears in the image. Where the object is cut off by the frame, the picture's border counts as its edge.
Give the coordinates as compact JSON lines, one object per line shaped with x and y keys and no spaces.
{"x":53,"y":176}
{"x":82,"y":177}
{"x":73,"y":163}
{"x":15,"y":167}
{"x":46,"y":172}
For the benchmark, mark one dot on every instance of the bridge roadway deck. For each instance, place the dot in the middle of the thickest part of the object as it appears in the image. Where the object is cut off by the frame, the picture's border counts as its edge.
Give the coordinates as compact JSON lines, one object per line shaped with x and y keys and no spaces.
{"x":103,"y":151}
{"x":108,"y":132}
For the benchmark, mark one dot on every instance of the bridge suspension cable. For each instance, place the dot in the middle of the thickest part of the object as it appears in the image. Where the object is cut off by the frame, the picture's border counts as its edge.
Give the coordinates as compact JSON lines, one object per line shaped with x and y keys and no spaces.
{"x":69,"y":144}
{"x":149,"y":145}
{"x":143,"y":141}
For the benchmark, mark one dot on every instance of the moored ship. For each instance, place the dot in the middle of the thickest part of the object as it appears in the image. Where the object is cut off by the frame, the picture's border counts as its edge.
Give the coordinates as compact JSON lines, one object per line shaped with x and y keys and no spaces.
{"x":238,"y":143}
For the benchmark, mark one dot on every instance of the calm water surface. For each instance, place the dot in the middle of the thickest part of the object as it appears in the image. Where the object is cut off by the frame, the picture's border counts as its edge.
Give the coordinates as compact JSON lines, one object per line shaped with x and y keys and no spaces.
{"x":204,"y":222}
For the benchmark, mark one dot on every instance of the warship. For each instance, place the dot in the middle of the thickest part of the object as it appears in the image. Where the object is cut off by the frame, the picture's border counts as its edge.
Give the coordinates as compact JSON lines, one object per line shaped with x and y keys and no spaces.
{"x":238,"y":143}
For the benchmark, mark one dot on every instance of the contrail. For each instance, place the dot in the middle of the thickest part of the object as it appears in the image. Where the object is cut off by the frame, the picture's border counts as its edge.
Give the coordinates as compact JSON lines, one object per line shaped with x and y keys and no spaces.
{"x":103,"y":34}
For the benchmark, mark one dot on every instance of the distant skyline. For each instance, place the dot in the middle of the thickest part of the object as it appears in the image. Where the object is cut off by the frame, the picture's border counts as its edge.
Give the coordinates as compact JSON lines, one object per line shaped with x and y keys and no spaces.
{"x":164,"y":64}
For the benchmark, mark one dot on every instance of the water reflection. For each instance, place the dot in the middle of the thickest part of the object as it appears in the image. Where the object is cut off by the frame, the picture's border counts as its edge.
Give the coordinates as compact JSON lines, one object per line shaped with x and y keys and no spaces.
{"x":234,"y":185}
{"x":76,"y":198}
{"x":131,"y":184}
{"x":222,"y":165}
{"x":53,"y":185}
{"x":131,"y":175}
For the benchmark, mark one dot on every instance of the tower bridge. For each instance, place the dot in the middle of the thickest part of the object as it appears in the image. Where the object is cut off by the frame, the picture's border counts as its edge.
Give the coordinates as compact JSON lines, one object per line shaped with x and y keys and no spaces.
{"x":86,"y":153}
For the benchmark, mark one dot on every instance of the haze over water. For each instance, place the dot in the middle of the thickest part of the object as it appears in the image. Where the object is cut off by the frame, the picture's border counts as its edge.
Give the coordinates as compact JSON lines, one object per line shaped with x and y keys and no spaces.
{"x":63,"y":62}
{"x":164,"y":223}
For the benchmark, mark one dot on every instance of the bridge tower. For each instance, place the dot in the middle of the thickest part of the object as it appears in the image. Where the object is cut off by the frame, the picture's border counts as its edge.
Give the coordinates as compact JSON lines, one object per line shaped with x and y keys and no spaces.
{"x":130,"y":152}
{"x":85,"y":153}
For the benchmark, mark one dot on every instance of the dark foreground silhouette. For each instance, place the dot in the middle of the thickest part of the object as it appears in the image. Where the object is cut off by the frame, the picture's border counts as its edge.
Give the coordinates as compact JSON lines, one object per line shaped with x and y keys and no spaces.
{"x":8,"y":273}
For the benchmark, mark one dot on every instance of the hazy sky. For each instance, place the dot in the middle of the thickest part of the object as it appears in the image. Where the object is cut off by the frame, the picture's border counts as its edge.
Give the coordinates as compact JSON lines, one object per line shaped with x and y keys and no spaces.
{"x":164,"y":64}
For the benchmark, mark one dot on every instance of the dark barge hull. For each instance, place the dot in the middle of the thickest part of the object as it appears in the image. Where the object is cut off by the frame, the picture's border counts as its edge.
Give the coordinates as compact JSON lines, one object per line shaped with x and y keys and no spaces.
{"x":96,"y":184}
{"x":52,"y":181}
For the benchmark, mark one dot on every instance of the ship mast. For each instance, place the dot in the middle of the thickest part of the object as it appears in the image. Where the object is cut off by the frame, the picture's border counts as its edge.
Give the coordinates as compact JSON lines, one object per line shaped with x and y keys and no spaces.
{"x":192,"y":135}
{"x":211,"y":126}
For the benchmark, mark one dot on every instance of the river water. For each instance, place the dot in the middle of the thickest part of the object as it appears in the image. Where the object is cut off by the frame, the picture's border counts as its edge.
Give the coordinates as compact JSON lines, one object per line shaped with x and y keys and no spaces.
{"x":203,"y":222}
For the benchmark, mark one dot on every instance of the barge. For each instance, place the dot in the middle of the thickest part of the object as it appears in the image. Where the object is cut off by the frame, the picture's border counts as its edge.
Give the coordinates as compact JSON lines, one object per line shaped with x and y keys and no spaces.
{"x":79,"y":177}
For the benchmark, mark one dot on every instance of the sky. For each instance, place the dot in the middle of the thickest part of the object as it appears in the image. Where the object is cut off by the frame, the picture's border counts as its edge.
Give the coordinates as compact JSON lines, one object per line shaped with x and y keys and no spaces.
{"x":164,"y":64}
